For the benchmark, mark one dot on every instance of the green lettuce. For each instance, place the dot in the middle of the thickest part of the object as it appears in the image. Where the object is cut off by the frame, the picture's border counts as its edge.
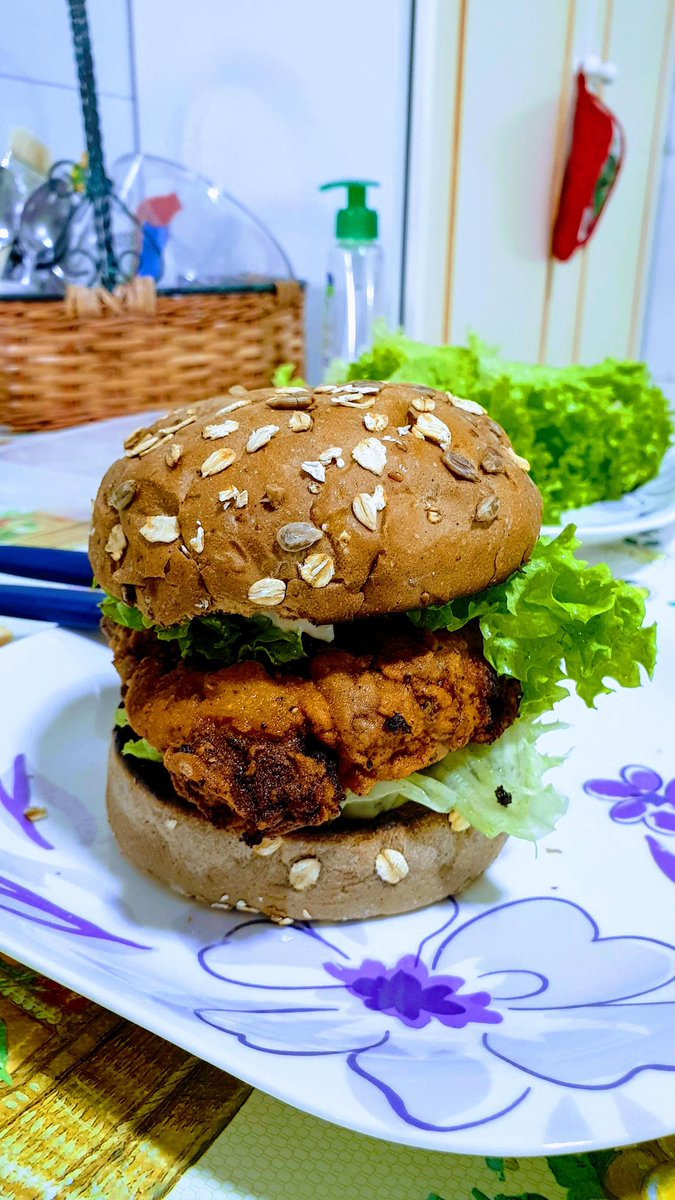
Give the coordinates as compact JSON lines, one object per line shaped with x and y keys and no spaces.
{"x":498,"y":788}
{"x":554,"y":621}
{"x":141,"y":748}
{"x":590,"y":433}
{"x":557,"y":621}
{"x":285,"y":376}
{"x":137,"y":747}
{"x":219,"y":637}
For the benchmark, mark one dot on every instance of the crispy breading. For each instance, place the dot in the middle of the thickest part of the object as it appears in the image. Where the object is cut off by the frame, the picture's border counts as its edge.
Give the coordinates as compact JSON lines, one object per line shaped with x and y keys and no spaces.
{"x":131,"y":646}
{"x":410,"y":702}
{"x":238,"y":740}
{"x":276,"y":752}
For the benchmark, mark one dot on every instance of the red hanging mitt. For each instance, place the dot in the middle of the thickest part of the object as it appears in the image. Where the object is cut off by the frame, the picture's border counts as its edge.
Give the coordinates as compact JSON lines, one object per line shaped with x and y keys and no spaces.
{"x":595,"y":157}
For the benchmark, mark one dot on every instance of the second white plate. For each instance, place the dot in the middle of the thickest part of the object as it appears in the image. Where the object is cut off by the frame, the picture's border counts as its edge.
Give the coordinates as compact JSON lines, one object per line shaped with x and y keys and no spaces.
{"x":649,"y":507}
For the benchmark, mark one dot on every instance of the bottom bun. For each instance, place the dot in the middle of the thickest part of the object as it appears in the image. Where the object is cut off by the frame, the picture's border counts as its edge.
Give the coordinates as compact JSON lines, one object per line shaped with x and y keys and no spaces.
{"x":337,"y":872}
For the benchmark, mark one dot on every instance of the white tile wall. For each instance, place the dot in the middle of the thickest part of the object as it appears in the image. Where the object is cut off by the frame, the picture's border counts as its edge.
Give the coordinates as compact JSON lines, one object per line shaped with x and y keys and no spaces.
{"x":38,"y":78}
{"x":36,"y":43}
{"x":272,"y":99}
{"x":53,"y":114}
{"x":268,"y":99}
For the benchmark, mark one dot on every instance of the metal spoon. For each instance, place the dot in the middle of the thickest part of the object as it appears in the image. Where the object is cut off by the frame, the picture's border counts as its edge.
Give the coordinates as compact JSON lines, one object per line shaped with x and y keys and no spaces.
{"x":10,"y":213}
{"x":43,"y":223}
{"x":10,"y":207}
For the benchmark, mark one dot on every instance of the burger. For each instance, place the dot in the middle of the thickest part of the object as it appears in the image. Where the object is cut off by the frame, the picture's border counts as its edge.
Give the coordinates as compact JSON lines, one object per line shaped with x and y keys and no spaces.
{"x":337,"y":632}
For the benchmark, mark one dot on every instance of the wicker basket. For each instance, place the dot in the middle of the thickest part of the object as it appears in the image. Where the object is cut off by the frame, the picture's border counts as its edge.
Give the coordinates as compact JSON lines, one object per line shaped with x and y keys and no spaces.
{"x":97,"y":355}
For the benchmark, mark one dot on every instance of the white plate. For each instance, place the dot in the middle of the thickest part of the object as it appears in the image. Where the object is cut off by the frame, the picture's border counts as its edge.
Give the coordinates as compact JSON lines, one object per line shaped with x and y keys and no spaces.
{"x":649,"y":507}
{"x":536,"y":1016}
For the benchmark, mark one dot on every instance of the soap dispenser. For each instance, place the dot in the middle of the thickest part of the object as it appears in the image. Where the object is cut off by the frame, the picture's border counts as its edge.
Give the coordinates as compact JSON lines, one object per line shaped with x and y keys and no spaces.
{"x":354,"y":285}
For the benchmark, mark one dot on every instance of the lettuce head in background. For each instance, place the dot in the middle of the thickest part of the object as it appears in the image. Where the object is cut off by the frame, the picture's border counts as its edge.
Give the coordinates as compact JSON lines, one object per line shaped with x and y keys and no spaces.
{"x":589,"y":433}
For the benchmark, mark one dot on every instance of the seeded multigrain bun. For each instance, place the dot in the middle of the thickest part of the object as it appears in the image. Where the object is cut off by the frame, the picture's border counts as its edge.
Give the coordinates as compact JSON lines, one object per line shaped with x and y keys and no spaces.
{"x":324,"y":505}
{"x":403,"y":860}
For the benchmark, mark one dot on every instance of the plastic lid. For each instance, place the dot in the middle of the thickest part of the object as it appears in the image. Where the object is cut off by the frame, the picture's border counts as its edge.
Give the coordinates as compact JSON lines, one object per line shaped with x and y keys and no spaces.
{"x":356,"y":222}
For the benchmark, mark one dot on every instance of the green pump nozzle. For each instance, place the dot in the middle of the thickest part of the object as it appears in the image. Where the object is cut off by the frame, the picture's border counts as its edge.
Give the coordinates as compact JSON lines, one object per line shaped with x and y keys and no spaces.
{"x":356,"y":222}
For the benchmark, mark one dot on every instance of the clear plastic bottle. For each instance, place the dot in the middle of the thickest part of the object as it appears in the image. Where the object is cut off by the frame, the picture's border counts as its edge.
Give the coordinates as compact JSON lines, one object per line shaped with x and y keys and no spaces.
{"x":354,"y":285}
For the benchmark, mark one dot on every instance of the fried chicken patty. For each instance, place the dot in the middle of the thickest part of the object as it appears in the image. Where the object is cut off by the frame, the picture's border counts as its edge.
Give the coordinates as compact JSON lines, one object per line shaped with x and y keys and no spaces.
{"x":275,"y":751}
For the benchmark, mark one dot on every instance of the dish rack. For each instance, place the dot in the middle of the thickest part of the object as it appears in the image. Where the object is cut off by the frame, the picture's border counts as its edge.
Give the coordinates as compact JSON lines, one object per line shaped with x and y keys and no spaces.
{"x":124,"y":347}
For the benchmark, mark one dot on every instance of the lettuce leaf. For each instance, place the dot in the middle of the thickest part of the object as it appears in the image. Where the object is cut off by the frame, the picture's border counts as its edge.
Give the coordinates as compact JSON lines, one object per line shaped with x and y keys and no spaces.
{"x":557,"y":621}
{"x":137,"y":747}
{"x":498,"y":788}
{"x":219,"y":637}
{"x":397,"y":357}
{"x":141,"y":748}
{"x":590,"y":433}
{"x":285,"y":376}
{"x":123,"y":614}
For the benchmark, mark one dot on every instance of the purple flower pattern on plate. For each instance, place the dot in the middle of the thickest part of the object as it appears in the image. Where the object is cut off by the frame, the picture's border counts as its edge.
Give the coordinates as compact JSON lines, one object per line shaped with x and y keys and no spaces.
{"x":24,"y":902}
{"x":587,"y":1031}
{"x":640,"y":797}
{"x":17,"y":801}
{"x":457,"y":1008}
{"x":409,"y":992}
{"x":20,"y":900}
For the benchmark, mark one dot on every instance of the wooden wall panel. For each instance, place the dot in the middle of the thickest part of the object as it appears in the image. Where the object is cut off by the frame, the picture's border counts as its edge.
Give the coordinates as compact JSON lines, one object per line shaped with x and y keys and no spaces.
{"x":513,"y":74}
{"x":437,"y":39}
{"x":498,"y":99}
{"x":641,"y":45}
{"x":589,"y":20}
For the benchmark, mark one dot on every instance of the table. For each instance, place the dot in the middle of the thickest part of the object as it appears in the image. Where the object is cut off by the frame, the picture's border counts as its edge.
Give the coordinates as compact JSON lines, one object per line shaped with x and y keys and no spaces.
{"x":95,"y":1108}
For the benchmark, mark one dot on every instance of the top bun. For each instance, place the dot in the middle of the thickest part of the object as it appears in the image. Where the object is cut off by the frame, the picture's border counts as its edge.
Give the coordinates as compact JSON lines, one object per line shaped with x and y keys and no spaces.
{"x":322,"y":504}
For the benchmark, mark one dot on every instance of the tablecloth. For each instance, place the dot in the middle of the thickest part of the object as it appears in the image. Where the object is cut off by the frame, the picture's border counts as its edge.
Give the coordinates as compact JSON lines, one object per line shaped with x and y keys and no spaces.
{"x":95,"y":1108}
